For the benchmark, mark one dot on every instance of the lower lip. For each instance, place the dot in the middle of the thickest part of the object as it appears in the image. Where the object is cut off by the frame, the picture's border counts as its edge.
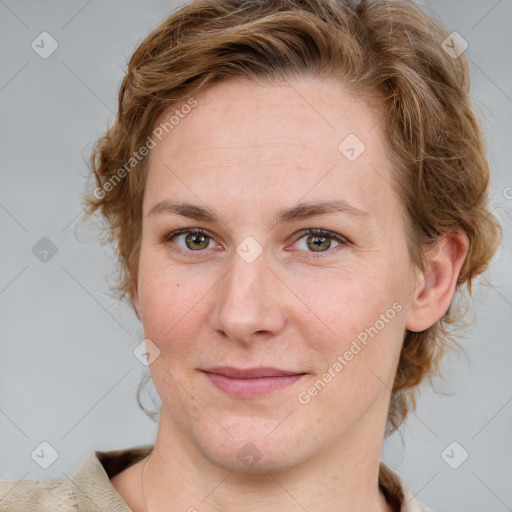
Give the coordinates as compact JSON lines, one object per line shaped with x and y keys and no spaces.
{"x":248,"y":388}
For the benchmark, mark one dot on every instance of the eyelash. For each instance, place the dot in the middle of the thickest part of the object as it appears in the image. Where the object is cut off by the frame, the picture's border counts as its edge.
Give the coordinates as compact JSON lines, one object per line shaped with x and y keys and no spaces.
{"x":311,"y":231}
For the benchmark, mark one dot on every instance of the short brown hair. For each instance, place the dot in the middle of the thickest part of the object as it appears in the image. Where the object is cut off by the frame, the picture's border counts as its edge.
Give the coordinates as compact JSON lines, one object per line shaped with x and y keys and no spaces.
{"x":388,"y":52}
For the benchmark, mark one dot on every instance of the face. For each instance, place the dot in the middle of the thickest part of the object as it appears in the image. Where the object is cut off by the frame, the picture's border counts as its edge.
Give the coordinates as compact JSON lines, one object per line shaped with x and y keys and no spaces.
{"x":277,"y":342}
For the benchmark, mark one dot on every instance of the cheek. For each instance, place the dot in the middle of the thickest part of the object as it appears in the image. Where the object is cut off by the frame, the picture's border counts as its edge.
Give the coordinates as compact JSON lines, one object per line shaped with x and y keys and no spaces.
{"x":357,"y":366}
{"x":172,"y":318}
{"x":171,"y":308}
{"x":362,"y":322}
{"x":345,"y":302}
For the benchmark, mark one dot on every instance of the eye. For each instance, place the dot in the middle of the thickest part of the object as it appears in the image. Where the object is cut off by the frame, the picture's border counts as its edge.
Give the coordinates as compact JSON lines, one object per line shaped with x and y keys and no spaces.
{"x":190,"y":241}
{"x":319,"y":241}
{"x":196,"y":242}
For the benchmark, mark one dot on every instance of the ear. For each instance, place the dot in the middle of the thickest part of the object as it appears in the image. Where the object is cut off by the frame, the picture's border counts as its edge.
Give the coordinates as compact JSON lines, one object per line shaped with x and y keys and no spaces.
{"x":135,"y":299}
{"x":436,"y":285}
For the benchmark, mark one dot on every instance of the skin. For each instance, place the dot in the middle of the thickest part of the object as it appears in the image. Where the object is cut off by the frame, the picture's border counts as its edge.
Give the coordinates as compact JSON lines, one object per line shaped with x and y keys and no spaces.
{"x":247,"y":151}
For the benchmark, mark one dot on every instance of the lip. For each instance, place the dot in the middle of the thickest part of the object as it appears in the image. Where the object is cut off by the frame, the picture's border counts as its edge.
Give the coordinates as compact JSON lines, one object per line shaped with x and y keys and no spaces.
{"x":251,"y":382}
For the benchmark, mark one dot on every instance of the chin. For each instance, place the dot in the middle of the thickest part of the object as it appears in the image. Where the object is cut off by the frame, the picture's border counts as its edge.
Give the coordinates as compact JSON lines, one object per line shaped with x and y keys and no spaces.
{"x":254,"y":447}
{"x":250,"y":459}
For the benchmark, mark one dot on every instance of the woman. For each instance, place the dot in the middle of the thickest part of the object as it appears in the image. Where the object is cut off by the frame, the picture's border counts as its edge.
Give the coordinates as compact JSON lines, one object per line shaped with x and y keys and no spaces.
{"x":297,"y":191}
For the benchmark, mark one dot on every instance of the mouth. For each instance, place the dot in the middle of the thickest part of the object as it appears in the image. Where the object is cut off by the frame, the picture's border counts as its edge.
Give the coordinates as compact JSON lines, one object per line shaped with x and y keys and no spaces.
{"x":252,"y":382}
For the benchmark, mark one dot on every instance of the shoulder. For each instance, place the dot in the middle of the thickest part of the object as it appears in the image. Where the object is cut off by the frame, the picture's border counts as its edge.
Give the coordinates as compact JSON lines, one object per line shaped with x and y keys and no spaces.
{"x":89,"y":489}
{"x":37,"y":495}
{"x":397,"y":492}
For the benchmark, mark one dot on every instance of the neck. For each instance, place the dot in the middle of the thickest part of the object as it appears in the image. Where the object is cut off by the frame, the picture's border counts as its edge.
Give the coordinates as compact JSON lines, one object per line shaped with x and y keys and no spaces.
{"x":345,"y":477}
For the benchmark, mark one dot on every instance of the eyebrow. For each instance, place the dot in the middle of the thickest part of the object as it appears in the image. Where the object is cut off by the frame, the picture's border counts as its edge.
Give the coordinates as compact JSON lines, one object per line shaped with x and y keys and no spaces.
{"x":295,"y":213}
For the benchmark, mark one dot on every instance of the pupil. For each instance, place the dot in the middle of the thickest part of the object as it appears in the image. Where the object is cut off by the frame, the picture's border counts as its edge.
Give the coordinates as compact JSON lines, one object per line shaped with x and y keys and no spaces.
{"x":318,"y":242}
{"x":197,"y":240}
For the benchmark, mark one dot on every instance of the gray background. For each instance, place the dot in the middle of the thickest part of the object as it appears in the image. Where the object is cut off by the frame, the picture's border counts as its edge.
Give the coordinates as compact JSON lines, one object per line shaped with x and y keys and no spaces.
{"x":67,"y":372}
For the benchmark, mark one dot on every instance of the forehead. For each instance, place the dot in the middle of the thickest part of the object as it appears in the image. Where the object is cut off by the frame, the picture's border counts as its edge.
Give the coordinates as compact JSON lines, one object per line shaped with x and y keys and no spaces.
{"x":308,"y":111}
{"x":305,"y":137}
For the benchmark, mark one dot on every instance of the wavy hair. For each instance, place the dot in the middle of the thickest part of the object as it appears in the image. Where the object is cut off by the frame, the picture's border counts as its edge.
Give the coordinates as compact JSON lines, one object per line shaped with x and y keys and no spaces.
{"x":390,"y":53}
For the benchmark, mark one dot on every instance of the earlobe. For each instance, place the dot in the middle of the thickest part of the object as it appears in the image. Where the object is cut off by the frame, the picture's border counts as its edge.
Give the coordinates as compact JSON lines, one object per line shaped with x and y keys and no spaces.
{"x":437,"y":283}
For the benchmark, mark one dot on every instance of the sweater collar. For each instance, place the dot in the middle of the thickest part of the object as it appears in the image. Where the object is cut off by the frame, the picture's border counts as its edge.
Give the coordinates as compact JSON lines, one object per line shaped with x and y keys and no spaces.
{"x":94,"y":490}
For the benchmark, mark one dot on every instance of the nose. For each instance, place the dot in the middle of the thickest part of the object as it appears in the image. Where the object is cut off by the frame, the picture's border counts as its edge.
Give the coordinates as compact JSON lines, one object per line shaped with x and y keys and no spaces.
{"x":249,"y":301}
